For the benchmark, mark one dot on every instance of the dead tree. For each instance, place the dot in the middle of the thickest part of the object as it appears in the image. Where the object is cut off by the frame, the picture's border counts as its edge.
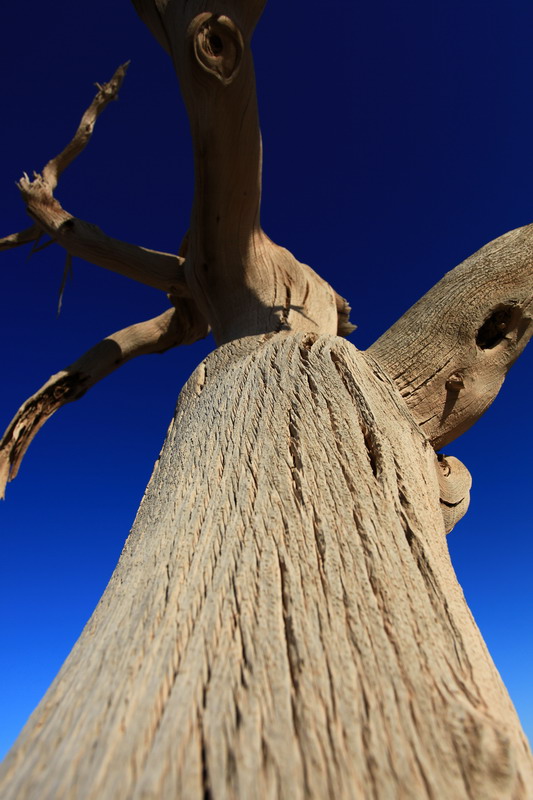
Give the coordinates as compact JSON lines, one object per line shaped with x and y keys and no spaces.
{"x":284,"y":620}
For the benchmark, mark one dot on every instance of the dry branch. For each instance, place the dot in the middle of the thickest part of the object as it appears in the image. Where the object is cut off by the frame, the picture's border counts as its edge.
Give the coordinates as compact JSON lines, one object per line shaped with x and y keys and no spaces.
{"x":82,"y":239}
{"x":26,"y":236}
{"x":53,"y":169}
{"x":449,"y":354}
{"x":179,"y":325}
{"x":106,"y":93}
{"x":159,"y":270}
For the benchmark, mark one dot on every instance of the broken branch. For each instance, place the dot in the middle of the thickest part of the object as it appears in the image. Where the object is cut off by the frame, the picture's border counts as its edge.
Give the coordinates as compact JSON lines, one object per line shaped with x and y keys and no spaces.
{"x":79,"y":238}
{"x":106,"y":93}
{"x":53,"y":169}
{"x":179,"y":325}
{"x":449,"y":354}
{"x":82,"y":239}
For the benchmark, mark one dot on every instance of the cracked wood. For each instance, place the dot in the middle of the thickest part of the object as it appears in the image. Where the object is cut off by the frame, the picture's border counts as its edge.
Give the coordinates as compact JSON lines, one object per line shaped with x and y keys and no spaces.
{"x":284,"y":620}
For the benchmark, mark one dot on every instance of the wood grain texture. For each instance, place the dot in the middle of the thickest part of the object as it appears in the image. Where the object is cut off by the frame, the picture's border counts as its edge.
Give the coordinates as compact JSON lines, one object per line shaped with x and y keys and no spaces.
{"x":284,"y":621}
{"x":449,"y":354}
{"x":455,"y":483}
{"x":244,"y":283}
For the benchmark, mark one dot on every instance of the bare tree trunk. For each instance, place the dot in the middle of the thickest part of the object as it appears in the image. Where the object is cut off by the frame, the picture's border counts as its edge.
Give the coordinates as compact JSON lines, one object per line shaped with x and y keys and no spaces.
{"x":284,"y":621}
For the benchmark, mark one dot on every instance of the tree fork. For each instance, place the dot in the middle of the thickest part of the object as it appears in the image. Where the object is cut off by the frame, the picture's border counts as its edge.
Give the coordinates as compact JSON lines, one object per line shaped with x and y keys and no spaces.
{"x":244,"y":284}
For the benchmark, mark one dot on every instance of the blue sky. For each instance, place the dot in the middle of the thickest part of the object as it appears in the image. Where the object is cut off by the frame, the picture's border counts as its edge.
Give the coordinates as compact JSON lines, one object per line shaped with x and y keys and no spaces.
{"x":397,"y":142}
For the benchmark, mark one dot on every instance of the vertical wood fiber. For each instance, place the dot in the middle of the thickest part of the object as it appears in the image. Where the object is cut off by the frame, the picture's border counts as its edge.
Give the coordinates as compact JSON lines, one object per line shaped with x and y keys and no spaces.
{"x":284,"y":621}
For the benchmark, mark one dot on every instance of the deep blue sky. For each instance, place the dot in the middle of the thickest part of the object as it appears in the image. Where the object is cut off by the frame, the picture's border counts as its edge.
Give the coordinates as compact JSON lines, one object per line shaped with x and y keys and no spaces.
{"x":397,"y":142}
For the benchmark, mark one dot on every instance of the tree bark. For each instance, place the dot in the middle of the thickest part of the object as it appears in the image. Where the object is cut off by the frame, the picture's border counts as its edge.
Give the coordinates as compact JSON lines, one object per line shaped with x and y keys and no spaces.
{"x":284,"y":621}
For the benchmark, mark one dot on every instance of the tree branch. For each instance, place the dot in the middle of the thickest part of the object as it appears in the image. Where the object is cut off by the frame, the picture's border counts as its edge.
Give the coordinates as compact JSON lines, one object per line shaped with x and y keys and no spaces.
{"x":159,"y":270}
{"x":179,"y":325}
{"x":82,"y":239}
{"x":26,"y":236}
{"x":449,"y":354}
{"x":106,"y":93}
{"x":53,"y":169}
{"x":244,"y":283}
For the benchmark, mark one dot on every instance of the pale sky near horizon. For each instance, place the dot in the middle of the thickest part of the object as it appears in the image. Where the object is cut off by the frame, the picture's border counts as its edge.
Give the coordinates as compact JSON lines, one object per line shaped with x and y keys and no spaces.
{"x":397,"y":142}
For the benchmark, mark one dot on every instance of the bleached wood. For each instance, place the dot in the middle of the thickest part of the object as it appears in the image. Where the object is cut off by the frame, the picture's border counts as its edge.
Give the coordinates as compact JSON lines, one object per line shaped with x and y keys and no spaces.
{"x":455,"y":483}
{"x":243,"y":282}
{"x":106,"y":93}
{"x":278,"y":293}
{"x":284,"y":621}
{"x":449,"y":354}
{"x":79,"y":238}
{"x":179,"y":325}
{"x":83,"y":239}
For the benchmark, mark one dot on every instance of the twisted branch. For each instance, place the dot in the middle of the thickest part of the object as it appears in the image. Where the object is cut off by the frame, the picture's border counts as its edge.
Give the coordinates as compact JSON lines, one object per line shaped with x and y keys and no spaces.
{"x":179,"y":325}
{"x":82,"y":239}
{"x":106,"y":93}
{"x":53,"y":169}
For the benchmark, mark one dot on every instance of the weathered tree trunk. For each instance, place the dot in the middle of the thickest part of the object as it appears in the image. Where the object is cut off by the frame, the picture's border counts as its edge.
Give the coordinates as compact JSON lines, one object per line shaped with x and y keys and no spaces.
{"x":284,"y":621}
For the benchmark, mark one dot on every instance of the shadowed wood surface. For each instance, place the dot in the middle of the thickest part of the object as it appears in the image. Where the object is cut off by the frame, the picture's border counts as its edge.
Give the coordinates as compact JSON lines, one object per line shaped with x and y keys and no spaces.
{"x":284,"y":621}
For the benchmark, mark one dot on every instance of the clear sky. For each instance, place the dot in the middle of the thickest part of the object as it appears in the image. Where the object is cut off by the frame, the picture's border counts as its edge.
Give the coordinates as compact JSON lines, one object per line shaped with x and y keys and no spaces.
{"x":398,"y":141}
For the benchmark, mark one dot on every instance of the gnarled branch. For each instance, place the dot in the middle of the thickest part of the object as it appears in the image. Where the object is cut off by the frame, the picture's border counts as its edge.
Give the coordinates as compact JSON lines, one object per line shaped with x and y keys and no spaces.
{"x":179,"y":325}
{"x":53,"y":169}
{"x":449,"y":354}
{"x":106,"y":93}
{"x":159,"y":270}
{"x":84,"y":240}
